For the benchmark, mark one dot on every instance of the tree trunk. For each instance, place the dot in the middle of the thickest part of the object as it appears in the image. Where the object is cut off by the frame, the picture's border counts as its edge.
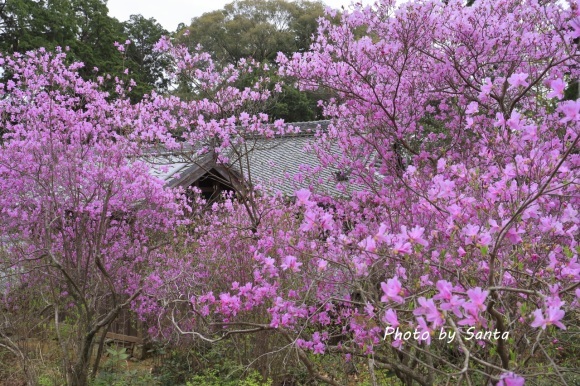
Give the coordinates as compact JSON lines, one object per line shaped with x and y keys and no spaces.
{"x":79,"y":373}
{"x":100,"y":351}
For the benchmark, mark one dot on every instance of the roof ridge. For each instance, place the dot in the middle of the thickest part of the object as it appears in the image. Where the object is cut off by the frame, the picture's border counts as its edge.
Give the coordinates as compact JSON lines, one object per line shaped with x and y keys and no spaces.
{"x":307,"y":129}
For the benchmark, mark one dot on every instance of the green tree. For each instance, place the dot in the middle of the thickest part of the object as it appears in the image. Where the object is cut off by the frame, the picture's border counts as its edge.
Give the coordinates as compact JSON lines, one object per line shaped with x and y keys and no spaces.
{"x":82,"y":25}
{"x":259,"y":29}
{"x":85,"y":27}
{"x":255,"y":28}
{"x":145,"y":64}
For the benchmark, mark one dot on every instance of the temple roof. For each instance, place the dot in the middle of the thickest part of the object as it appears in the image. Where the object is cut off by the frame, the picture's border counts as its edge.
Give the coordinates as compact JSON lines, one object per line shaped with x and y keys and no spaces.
{"x":278,"y":164}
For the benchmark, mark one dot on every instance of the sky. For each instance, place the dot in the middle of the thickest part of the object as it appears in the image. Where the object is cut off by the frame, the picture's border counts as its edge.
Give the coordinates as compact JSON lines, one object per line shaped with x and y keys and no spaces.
{"x":169,"y":13}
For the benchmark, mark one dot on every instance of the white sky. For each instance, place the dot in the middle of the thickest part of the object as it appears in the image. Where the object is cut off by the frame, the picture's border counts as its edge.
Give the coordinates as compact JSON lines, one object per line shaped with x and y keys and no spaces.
{"x":169,"y":13}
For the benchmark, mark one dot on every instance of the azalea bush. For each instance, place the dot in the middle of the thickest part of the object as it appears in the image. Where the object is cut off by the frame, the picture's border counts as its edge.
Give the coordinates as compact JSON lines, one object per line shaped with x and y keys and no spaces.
{"x":86,"y":229}
{"x":83,"y":225}
{"x":451,"y":254}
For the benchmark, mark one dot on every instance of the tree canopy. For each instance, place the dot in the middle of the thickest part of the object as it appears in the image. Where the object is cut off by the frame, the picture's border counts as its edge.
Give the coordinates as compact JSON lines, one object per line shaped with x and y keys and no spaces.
{"x":85,"y":27}
{"x":145,"y":64}
{"x":260,"y":29}
{"x":257,"y":29}
{"x":82,"y":25}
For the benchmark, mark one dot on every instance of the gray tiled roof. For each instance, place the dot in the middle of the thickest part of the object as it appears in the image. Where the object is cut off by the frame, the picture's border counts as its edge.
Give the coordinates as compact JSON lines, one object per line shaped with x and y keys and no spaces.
{"x":271,"y":162}
{"x":277,"y":164}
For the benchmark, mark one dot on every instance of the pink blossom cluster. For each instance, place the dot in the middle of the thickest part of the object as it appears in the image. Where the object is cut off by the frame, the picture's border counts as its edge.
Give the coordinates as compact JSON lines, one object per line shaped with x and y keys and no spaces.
{"x":461,"y":205}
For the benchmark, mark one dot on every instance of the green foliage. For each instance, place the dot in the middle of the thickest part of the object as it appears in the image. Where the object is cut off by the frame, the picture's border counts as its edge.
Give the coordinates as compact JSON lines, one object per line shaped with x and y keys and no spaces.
{"x":82,"y":25}
{"x":212,"y":366}
{"x":85,"y":27}
{"x":211,"y":377}
{"x":127,"y":378}
{"x":296,"y":106}
{"x":116,"y":355}
{"x":112,"y":375}
{"x":45,"y":380}
{"x":176,"y":369}
{"x":145,"y":64}
{"x":260,"y":29}
{"x":291,"y":104}
{"x":571,"y":92}
{"x":255,"y":28}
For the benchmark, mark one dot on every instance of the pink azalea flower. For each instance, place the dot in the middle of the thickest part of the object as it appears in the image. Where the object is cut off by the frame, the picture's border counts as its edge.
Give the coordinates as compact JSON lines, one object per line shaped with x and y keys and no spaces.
{"x":469,"y":122}
{"x":572,"y":269}
{"x":422,"y":328}
{"x":570,"y":110}
{"x":470,"y":231}
{"x":570,"y":214}
{"x":531,"y":212}
{"x":575,"y":24}
{"x":416,"y":234}
{"x":318,"y":348}
{"x":474,"y":306}
{"x":397,"y":343}
{"x":326,"y":221}
{"x":553,"y":301}
{"x":515,"y":121}
{"x":550,"y":224}
{"x":392,"y":290}
{"x":508,"y":279}
{"x":553,"y":260}
{"x":472,"y":108}
{"x":402,"y":247}
{"x":302,"y":197}
{"x":445,"y":289}
{"x":517,"y":80}
{"x":513,"y":235}
{"x":401,"y":271}
{"x":554,"y":315}
{"x":477,"y":297}
{"x":530,"y":133}
{"x":381,"y":234}
{"x":425,"y":281}
{"x":370,"y":310}
{"x":309,"y":221}
{"x":558,"y":86}
{"x":230,"y":305}
{"x":290,"y":262}
{"x":511,"y":379}
{"x":494,"y":226}
{"x":499,"y":120}
{"x":429,"y":309}
{"x":470,"y":320}
{"x":484,"y":239}
{"x":441,"y":163}
{"x":368,"y":244}
{"x":454,"y":305}
{"x":391,"y":318}
{"x":486,"y":87}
